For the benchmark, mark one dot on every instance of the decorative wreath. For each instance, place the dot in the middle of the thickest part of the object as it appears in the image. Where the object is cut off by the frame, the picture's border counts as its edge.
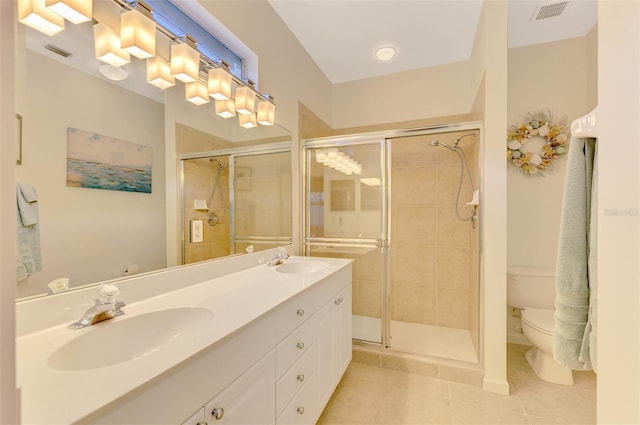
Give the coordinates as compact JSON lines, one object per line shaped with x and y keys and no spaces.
{"x":539,"y":124}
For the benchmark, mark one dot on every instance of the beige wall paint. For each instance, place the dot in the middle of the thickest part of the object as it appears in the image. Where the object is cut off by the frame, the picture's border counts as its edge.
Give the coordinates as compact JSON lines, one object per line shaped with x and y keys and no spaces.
{"x":8,"y":395}
{"x":412,"y":95}
{"x":618,"y":218}
{"x":546,"y":76}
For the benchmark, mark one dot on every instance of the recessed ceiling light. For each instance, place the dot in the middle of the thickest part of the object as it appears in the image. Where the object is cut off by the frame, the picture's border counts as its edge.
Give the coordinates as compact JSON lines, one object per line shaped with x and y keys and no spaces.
{"x":385,"y":53}
{"x":113,"y":73}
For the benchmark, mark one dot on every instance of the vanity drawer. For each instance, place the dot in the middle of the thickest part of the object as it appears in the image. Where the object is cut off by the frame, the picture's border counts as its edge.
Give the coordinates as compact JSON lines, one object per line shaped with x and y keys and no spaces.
{"x":293,"y":314}
{"x":302,"y":409}
{"x":294,"y":379}
{"x":293,"y":347}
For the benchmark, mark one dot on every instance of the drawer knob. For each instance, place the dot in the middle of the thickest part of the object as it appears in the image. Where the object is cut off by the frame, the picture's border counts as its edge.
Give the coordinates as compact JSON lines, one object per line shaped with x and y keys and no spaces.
{"x":300,"y":410}
{"x":301,"y":377}
{"x":339,"y":301}
{"x":300,"y":345}
{"x":300,"y":312}
{"x":201,"y":423}
{"x":217,"y":412}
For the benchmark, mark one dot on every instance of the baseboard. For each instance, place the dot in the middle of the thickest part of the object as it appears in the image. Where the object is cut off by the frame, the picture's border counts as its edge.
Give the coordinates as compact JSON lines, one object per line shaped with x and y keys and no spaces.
{"x":495,"y":386}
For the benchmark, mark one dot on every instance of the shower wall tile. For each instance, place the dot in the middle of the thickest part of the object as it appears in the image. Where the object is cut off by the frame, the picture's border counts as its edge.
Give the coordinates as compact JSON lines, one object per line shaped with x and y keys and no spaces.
{"x":415,"y":303}
{"x":402,"y":364}
{"x":414,"y":265}
{"x":453,"y":308}
{"x":368,"y":299}
{"x":370,"y":265}
{"x":453,"y":267}
{"x":451,"y":231}
{"x":414,"y":152}
{"x":415,"y":226}
{"x":414,"y":186}
{"x":448,"y":177}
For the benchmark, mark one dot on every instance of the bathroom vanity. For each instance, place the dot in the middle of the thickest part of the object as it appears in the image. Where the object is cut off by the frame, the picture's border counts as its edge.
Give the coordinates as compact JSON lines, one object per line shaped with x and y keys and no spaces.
{"x":255,"y":344}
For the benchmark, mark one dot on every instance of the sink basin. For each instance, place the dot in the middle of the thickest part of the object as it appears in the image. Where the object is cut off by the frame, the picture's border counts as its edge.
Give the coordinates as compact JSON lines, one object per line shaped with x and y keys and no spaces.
{"x":302,"y":267}
{"x":124,"y":339}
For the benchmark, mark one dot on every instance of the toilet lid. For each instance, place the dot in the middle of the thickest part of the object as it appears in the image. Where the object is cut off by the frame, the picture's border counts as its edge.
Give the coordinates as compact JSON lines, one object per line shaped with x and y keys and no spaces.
{"x":542,"y":320}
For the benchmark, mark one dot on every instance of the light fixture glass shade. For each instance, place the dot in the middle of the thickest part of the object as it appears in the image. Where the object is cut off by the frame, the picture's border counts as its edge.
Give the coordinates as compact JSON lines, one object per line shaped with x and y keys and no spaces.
{"x":196,"y":93}
{"x":75,"y":11}
{"x":107,"y":45}
{"x":245,"y":101}
{"x":219,"y":84}
{"x":34,"y":14}
{"x":266,"y":112}
{"x":159,"y":73}
{"x":247,"y":120}
{"x":225,"y":108}
{"x":185,"y":62}
{"x":138,"y":34}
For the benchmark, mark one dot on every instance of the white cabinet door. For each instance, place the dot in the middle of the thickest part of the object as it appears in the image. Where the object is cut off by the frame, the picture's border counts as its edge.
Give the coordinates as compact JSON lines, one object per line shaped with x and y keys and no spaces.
{"x":196,"y":419}
{"x":343,"y":332}
{"x":248,"y":400}
{"x":326,"y":353}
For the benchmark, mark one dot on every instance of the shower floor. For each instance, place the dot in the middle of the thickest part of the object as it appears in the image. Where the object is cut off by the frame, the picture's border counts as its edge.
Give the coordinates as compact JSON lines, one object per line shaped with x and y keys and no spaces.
{"x":449,"y":343}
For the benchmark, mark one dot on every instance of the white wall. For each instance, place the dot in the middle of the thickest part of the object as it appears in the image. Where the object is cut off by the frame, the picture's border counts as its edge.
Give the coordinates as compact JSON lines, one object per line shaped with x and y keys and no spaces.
{"x":87,"y":234}
{"x":618,"y":212}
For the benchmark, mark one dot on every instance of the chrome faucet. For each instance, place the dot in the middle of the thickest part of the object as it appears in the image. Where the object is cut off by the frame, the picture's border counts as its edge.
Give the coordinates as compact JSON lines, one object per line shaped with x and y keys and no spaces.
{"x":105,"y":308}
{"x":279,"y":258}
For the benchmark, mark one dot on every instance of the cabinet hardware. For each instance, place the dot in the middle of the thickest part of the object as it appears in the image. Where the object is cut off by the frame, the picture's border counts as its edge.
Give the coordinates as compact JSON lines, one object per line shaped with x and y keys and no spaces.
{"x":217,"y":412}
{"x":301,"y":377}
{"x":300,"y":345}
{"x":300,"y":410}
{"x":300,"y":312}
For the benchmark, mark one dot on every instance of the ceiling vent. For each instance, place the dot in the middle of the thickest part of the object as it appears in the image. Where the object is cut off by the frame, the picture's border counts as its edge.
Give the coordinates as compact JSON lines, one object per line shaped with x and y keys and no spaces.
{"x":57,"y":50}
{"x":548,"y":10}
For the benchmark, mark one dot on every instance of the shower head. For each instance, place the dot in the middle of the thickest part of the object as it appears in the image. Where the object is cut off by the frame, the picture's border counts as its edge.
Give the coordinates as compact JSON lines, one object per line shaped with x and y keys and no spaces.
{"x":437,"y":143}
{"x":460,"y":138}
{"x":221,"y":165}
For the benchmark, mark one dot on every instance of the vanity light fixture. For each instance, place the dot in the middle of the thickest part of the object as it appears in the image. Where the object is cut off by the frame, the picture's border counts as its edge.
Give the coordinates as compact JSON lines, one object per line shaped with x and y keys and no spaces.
{"x":159,"y":73}
{"x":196,"y":93}
{"x":34,"y":14}
{"x":246,"y":99}
{"x":385,"y":53}
{"x":107,"y":44}
{"x":247,"y":120}
{"x":225,"y":108}
{"x":266,"y":110}
{"x":185,"y":60}
{"x":75,"y":11}
{"x":138,"y":31}
{"x":220,"y":82}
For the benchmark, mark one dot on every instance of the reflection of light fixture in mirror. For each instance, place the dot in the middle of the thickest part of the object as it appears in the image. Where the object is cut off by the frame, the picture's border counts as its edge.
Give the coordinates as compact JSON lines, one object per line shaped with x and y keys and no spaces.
{"x":245,"y":100}
{"x":196,"y":93}
{"x":266,"y":110}
{"x":185,"y":60}
{"x":138,"y":31}
{"x":338,"y":160}
{"x":371,"y":181}
{"x":220,"y":82}
{"x":113,"y":72}
{"x":159,"y":73}
{"x":225,"y":108}
{"x":247,"y":120}
{"x":76,"y":11}
{"x":34,"y":14}
{"x":107,"y":45}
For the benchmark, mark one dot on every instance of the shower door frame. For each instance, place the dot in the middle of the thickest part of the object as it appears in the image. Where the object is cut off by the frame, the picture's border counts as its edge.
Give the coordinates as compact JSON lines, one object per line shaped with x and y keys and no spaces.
{"x":386,"y":240}
{"x":265,"y":149}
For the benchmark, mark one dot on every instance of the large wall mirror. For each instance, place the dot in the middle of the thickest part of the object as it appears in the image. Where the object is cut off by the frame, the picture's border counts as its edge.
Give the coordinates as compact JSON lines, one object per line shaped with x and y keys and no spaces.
{"x":91,"y":235}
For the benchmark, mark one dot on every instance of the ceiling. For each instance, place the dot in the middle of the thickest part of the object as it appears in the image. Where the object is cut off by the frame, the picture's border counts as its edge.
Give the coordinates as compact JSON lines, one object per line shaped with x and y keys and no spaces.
{"x":342,"y":35}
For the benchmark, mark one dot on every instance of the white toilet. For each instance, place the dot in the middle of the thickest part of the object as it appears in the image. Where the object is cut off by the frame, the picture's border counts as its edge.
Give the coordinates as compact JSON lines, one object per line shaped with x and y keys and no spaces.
{"x":533,"y":290}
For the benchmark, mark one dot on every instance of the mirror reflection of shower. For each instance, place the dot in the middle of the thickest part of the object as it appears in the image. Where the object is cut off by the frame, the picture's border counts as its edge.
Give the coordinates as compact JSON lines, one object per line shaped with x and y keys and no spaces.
{"x":220,"y":202}
{"x":464,"y":164}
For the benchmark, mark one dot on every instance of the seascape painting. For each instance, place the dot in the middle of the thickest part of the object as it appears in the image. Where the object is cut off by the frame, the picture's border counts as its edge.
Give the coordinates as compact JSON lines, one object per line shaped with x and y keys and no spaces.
{"x":102,"y":162}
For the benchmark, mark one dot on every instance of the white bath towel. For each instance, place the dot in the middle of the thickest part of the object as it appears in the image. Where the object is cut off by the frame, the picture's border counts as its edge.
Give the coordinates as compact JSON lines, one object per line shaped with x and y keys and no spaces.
{"x":572,"y":271}
{"x":29,"y":260}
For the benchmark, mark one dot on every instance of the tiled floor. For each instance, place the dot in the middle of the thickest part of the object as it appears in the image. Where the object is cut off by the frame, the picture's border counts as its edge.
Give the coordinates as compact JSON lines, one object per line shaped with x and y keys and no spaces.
{"x":372,"y":395}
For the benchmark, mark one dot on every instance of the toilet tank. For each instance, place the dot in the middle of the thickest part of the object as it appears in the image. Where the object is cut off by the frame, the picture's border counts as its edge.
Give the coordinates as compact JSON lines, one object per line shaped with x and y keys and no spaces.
{"x":531,"y":287}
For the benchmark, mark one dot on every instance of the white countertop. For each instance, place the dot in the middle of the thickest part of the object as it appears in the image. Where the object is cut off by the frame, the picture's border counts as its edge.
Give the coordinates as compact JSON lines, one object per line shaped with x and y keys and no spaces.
{"x":56,"y":396}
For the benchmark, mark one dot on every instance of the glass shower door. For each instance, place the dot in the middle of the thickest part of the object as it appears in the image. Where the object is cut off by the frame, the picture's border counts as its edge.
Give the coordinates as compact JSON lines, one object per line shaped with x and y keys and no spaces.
{"x":345,"y":218}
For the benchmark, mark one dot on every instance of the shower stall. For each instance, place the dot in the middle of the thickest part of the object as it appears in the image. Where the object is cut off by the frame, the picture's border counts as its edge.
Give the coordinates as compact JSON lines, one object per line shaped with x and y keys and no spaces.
{"x":235,"y":200}
{"x":404,"y":205}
